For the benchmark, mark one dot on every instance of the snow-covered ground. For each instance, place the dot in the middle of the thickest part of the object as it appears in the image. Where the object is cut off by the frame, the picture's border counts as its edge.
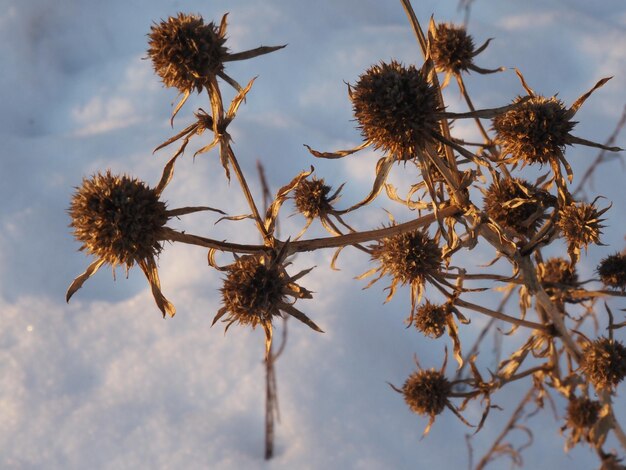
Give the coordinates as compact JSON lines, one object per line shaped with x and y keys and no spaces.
{"x":104,"y":382}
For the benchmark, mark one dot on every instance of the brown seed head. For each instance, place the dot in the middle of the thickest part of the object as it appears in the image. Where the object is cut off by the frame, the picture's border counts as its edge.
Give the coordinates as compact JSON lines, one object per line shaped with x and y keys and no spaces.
{"x":612,"y":271}
{"x":452,"y":49}
{"x":185,"y":52}
{"x":426,"y":392}
{"x":580,"y":224}
{"x":582,"y":413}
{"x":312,"y":198}
{"x":517,"y":205}
{"x":557,"y":275}
{"x":431,"y":319}
{"x":396,"y":108}
{"x":409,"y":257}
{"x":117,"y":218}
{"x":253,"y":289}
{"x":604,"y":362}
{"x":536,"y":131}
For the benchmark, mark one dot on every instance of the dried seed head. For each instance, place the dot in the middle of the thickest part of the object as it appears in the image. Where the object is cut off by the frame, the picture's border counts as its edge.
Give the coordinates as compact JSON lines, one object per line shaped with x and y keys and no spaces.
{"x":253,"y":290}
{"x":431,"y":319}
{"x":612,"y":271}
{"x":582,"y":413}
{"x":604,"y":362}
{"x":409,"y":257}
{"x":452,"y":49}
{"x":426,"y":392}
{"x":397,"y":108}
{"x":312,"y":198}
{"x":185,"y":52}
{"x":556,"y":274}
{"x":536,"y":131}
{"x":517,"y":205}
{"x":580,"y":224}
{"x":117,"y":218}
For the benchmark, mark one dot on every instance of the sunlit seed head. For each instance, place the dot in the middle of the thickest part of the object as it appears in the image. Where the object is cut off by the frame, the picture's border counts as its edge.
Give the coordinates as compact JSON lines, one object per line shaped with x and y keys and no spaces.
{"x":516,"y":204}
{"x":409,"y":257}
{"x":452,"y":49}
{"x":397,"y":109}
{"x":556,"y":273}
{"x":582,"y":413}
{"x":426,"y":392}
{"x":431,"y":319}
{"x":312,"y":198}
{"x":185,"y":52}
{"x":612,"y":271}
{"x":536,"y":131}
{"x":580,"y":224}
{"x":252,"y":290}
{"x":117,"y":218}
{"x":604,"y":362}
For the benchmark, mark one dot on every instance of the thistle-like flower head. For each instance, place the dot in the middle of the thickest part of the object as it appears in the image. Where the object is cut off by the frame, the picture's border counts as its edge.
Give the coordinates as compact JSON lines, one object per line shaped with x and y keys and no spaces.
{"x":396,"y":107}
{"x":431,"y":319}
{"x":612,"y":271}
{"x":312,"y":198}
{"x":604,"y":363}
{"x":580,"y":224}
{"x":117,"y":219}
{"x":426,"y":392}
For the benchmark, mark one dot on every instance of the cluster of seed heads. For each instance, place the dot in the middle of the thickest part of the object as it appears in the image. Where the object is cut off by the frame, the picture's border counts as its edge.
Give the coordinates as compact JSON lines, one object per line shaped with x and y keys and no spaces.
{"x":117,"y":218}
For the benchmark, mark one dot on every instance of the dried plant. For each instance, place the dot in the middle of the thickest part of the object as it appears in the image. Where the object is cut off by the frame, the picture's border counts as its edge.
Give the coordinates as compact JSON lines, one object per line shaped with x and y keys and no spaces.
{"x":401,"y":113}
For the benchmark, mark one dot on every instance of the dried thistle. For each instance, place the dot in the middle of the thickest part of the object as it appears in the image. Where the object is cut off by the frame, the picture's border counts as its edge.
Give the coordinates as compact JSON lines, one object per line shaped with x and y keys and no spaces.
{"x":558,"y":276}
{"x":517,"y":205}
{"x":410,"y":258}
{"x":452,"y":50}
{"x":431,"y":319}
{"x":426,"y":392}
{"x":580,"y":224}
{"x":257,"y":289}
{"x":604,"y":362}
{"x":538,"y":129}
{"x":189,"y":55}
{"x":397,"y":108}
{"x":582,"y":415}
{"x":612,"y":271}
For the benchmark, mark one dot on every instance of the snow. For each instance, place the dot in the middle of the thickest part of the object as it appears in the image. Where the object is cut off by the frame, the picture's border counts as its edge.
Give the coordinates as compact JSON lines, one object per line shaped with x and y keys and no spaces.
{"x":105,"y":383}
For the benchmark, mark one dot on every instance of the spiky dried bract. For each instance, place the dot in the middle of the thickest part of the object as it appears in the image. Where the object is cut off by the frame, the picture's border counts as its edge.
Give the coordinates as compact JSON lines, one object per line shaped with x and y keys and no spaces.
{"x":312,"y":198}
{"x":252,"y":290}
{"x":517,"y":205}
{"x":452,"y":49}
{"x":426,"y":392}
{"x":582,"y":413}
{"x":117,"y":218}
{"x":580,"y":224}
{"x":431,"y":319}
{"x":397,"y":108}
{"x":612,"y":271}
{"x":604,"y":362}
{"x":409,"y":257}
{"x":185,"y":52}
{"x":535,"y":131}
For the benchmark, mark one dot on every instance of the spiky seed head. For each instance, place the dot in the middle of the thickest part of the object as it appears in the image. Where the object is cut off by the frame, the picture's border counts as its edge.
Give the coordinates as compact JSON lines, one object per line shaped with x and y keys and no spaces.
{"x":604,"y":362}
{"x":580,"y":224}
{"x":252,"y":290}
{"x":117,"y":218}
{"x":185,"y":52}
{"x":612,"y":271}
{"x":409,"y":257}
{"x":452,"y":49}
{"x":559,"y":271}
{"x":312,"y":198}
{"x":536,"y":131}
{"x":516,"y":204}
{"x":582,"y":413}
{"x":426,"y":392}
{"x":396,"y":107}
{"x":431,"y":319}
